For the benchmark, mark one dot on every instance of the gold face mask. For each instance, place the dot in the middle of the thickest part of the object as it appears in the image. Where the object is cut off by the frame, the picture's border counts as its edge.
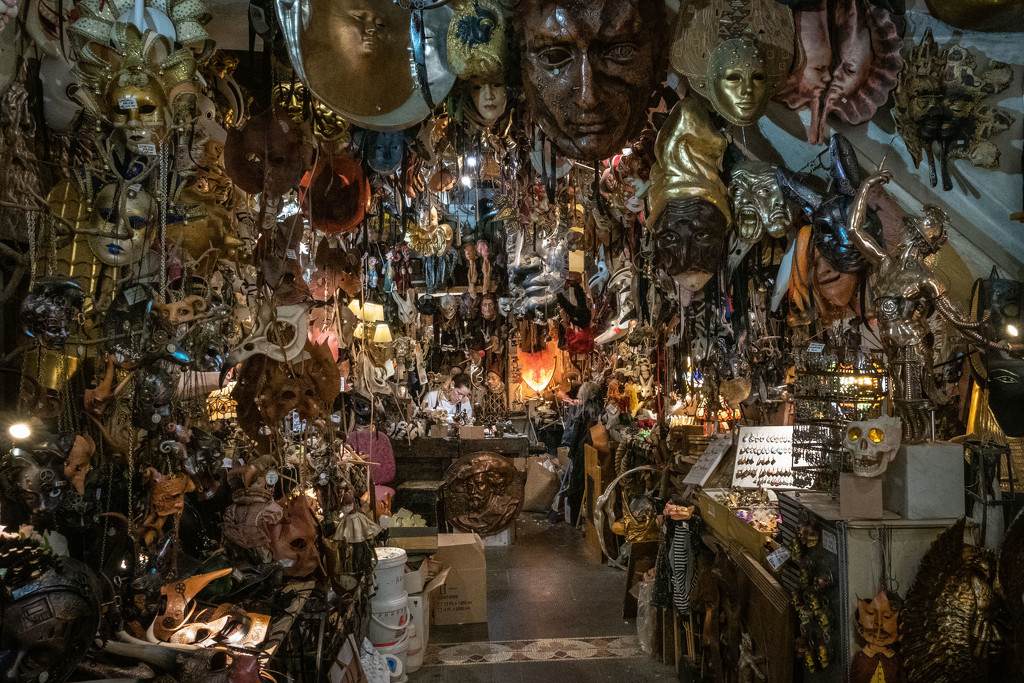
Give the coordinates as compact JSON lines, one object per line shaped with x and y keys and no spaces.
{"x":139,"y":109}
{"x":121,"y":220}
{"x":739,"y":82}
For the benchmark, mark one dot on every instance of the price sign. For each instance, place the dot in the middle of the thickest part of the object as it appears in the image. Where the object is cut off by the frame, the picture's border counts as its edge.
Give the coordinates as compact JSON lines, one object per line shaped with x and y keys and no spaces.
{"x":777,"y":558}
{"x":706,"y":464}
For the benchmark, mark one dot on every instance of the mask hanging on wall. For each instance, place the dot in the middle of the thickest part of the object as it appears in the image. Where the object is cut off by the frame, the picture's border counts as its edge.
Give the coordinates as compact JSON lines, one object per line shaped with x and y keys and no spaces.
{"x":758,"y":206}
{"x":589,"y":70}
{"x":736,"y":58}
{"x":366,"y":59}
{"x":851,"y":77}
{"x":1003,"y":300}
{"x":872,"y":444}
{"x":52,"y":311}
{"x":335,"y":195}
{"x":478,"y":38}
{"x":938,"y":108}
{"x":123,"y":217}
{"x":269,"y":155}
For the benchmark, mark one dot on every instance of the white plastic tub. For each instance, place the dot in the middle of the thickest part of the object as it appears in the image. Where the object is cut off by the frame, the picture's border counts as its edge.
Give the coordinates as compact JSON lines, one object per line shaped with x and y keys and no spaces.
{"x":389,"y":576}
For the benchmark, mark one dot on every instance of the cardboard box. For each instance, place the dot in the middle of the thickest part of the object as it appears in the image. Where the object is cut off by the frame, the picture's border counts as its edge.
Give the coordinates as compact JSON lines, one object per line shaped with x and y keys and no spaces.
{"x":463,"y":598}
{"x":860,"y":497}
{"x":419,"y":610}
{"x":417,"y":580}
{"x":472,"y":432}
{"x":716,"y":514}
{"x":926,"y":481}
{"x":414,"y":539}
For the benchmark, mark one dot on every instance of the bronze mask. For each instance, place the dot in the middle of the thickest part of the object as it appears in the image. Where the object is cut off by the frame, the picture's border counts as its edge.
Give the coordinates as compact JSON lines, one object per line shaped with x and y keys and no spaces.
{"x":589,"y":69}
{"x":758,"y":205}
{"x":269,"y":155}
{"x":689,"y":236}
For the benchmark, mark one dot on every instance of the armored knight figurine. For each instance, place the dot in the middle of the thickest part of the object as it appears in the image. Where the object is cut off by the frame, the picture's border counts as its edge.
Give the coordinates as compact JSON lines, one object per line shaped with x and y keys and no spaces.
{"x":905,"y":293}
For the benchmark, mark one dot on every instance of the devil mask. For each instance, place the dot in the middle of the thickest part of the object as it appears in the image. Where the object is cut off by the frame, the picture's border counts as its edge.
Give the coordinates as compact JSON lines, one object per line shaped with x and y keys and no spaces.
{"x":589,"y":70}
{"x":872,"y":444}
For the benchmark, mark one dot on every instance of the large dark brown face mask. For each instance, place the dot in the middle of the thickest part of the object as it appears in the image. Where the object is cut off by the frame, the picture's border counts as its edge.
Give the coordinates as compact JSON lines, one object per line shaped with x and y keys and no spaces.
{"x":689,"y":236}
{"x":589,"y":69}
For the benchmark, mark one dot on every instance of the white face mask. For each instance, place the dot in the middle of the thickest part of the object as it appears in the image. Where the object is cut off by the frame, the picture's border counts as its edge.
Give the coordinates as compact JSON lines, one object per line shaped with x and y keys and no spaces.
{"x":121,"y":224}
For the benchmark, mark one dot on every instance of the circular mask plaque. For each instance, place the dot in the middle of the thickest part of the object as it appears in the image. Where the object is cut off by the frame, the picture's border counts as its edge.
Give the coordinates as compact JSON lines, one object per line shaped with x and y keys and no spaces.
{"x":483,"y":493}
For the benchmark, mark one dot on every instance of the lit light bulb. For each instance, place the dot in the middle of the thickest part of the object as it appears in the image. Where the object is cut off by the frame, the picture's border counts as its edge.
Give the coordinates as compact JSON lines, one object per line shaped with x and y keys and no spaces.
{"x":467,"y":181}
{"x":1012,"y":329}
{"x":471,"y":162}
{"x":20,"y":430}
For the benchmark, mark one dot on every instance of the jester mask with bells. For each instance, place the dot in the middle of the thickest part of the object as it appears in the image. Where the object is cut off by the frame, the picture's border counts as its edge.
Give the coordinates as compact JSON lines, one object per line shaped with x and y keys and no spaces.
{"x":757,"y":202}
{"x":872,"y":444}
{"x":144,"y":87}
{"x":735,"y":55}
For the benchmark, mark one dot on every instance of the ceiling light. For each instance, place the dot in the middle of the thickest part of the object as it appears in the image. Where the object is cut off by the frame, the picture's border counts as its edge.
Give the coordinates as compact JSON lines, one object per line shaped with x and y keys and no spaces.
{"x":20,"y":430}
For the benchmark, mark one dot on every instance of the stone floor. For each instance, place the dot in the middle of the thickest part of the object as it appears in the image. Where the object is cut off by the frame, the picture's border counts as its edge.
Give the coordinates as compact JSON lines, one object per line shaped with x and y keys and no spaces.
{"x":554,"y":614}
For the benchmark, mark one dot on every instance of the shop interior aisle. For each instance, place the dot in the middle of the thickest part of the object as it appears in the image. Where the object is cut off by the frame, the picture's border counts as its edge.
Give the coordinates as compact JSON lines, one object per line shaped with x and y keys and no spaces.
{"x":554,"y":614}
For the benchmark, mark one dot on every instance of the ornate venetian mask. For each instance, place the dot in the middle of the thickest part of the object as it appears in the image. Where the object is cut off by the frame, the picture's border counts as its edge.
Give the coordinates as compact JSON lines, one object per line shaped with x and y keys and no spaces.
{"x":735,"y":61}
{"x":878,"y":620}
{"x":939,"y":108}
{"x":121,"y":224}
{"x":429,"y":236}
{"x":758,"y":205}
{"x":489,"y":99}
{"x":873,"y":444}
{"x":589,"y":70}
{"x":52,"y":311}
{"x":280,"y":333}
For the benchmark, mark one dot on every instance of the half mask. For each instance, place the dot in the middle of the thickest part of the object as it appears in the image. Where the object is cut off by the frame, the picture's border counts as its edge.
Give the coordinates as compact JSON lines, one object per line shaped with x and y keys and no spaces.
{"x":279,"y":334}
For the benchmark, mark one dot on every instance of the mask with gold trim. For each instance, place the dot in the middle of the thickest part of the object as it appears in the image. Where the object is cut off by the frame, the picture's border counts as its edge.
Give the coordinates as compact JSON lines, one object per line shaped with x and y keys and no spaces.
{"x":122,"y":217}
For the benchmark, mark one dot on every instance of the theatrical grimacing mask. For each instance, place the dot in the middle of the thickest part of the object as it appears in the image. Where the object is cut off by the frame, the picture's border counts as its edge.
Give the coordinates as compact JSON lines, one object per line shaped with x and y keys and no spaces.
{"x":740,"y":89}
{"x":488,"y":307}
{"x":121,"y":219}
{"x":872,"y":444}
{"x":689,"y":235}
{"x":589,"y":70}
{"x":758,"y":205}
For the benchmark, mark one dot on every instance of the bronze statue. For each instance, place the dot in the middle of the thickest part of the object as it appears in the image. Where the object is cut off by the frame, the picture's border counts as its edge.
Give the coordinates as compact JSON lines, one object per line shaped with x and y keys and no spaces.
{"x":589,"y":70}
{"x":483,"y":493}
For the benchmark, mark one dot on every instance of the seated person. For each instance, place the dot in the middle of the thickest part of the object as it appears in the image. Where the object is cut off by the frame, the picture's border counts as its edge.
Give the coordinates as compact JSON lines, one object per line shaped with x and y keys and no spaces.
{"x":454,"y":399}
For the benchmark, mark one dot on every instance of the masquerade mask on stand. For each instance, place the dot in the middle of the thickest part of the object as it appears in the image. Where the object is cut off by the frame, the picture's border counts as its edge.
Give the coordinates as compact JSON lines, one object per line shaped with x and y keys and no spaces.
{"x":589,"y":70}
{"x":872,"y":444}
{"x":736,"y":60}
{"x":938,"y":104}
{"x":355,"y":56}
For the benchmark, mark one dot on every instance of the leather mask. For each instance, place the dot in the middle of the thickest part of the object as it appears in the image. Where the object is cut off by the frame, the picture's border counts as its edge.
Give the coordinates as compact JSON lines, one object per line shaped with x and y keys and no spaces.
{"x":167,"y":493}
{"x":280,"y":333}
{"x":758,"y":205}
{"x":863,"y":65}
{"x":50,"y":617}
{"x":52,"y":311}
{"x":122,"y":219}
{"x":337,"y":268}
{"x":489,"y":307}
{"x":689,"y":236}
{"x":335,"y":195}
{"x":872,"y":444}
{"x":1003,"y":299}
{"x":253,"y":513}
{"x":269,"y":155}
{"x":589,"y":70}
{"x":294,"y":540}
{"x":268,"y":390}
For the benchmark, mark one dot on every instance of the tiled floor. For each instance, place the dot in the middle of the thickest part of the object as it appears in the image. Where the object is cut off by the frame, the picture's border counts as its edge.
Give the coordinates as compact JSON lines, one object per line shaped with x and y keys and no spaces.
{"x":554,"y":614}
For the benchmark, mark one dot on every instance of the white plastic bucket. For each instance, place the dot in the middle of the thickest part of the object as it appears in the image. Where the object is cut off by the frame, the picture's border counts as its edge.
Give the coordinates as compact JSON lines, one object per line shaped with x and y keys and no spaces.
{"x":389,"y":621}
{"x":396,"y":656}
{"x":389,"y":576}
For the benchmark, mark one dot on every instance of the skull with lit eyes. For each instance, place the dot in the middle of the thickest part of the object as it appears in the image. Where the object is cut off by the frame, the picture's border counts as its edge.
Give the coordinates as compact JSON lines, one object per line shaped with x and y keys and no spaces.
{"x":873,"y":444}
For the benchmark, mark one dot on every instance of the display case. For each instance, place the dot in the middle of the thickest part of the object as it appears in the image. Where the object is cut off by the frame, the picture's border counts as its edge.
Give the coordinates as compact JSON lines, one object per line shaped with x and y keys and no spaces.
{"x":848,"y":558}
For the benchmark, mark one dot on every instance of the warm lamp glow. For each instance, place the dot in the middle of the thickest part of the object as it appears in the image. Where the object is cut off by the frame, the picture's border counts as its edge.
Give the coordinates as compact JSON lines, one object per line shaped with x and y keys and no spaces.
{"x":20,"y":430}
{"x":382,"y":335}
{"x":358,"y":333}
{"x":373,"y":313}
{"x":356,"y":309}
{"x":538,"y":368}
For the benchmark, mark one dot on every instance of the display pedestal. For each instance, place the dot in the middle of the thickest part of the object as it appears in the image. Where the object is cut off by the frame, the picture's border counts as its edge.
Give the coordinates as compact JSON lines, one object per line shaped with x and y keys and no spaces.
{"x":926,"y":481}
{"x":860,"y":497}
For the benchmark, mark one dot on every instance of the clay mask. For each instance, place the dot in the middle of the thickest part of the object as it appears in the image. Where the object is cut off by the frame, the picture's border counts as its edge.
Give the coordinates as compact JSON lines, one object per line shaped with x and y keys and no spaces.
{"x":873,"y":444}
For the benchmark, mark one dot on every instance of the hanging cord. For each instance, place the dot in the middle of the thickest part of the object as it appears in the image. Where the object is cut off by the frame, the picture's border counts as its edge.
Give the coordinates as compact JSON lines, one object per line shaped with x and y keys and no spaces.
{"x":163,"y":173}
